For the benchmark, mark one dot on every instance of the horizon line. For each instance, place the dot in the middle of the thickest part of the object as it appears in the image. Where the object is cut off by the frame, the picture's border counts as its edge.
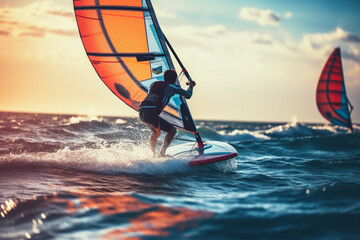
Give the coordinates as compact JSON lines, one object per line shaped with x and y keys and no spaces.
{"x":215,"y":120}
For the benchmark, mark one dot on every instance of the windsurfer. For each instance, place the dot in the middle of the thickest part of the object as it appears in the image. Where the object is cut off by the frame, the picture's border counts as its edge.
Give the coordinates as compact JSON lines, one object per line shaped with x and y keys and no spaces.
{"x":158,"y":97}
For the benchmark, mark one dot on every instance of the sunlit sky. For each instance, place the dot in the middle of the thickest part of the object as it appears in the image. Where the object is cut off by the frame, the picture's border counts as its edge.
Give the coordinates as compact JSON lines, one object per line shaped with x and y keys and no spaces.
{"x":253,"y":60}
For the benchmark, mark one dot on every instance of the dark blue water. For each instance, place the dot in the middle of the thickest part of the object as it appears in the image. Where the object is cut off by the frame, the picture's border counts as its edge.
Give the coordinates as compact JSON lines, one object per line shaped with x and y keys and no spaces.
{"x":78,"y":177}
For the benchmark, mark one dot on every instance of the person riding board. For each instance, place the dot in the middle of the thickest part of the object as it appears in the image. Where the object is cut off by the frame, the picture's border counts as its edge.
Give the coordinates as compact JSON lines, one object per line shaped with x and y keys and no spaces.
{"x":158,"y":97}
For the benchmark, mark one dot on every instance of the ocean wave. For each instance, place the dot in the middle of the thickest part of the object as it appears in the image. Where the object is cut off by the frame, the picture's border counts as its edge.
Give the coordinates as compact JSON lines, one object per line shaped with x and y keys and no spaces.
{"x":60,"y":133}
{"x":79,"y":119}
{"x":324,"y":129}
{"x":104,"y":158}
{"x":332,"y":143}
{"x":6,"y":130}
{"x":341,"y":161}
{"x":243,"y":135}
{"x":88,"y":126}
{"x":120,"y":158}
{"x":334,"y":191}
{"x":231,"y":136}
{"x":296,"y":129}
{"x":289,"y":130}
{"x":22,"y":145}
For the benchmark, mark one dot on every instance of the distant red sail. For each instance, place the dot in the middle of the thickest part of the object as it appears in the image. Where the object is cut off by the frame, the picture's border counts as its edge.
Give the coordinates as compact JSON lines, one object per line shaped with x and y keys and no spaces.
{"x":331,"y":96}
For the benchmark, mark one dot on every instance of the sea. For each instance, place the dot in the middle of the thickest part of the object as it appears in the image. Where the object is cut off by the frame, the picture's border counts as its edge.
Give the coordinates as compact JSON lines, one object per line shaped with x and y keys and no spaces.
{"x":94,"y":177}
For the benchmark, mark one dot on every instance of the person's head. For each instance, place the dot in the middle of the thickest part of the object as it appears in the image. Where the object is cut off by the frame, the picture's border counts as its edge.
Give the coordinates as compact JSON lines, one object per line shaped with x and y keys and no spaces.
{"x":170,"y":76}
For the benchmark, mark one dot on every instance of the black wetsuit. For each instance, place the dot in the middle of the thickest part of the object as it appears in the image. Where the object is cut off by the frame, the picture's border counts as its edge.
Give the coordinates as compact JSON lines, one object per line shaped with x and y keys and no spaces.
{"x":158,"y":97}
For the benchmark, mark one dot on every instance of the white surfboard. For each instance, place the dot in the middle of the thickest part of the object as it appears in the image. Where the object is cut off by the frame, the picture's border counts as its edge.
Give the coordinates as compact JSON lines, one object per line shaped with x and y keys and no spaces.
{"x":212,"y":152}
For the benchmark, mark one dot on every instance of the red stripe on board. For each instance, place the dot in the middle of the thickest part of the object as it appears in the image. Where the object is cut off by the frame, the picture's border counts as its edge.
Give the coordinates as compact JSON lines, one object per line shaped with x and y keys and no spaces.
{"x":203,"y":159}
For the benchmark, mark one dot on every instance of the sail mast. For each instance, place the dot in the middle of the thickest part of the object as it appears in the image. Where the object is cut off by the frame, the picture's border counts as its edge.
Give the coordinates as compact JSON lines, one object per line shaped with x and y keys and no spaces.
{"x":188,"y":120}
{"x":197,"y":134}
{"x":348,"y":104}
{"x":347,"y":99}
{"x":178,"y":60}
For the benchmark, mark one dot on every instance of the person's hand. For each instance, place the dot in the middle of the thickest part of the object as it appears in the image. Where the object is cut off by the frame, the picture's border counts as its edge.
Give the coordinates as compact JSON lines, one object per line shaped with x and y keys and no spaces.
{"x":192,"y":83}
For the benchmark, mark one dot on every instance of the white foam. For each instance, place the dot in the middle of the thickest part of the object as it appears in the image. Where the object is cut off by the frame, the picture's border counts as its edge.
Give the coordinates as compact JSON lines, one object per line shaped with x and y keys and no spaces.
{"x":242,"y":135}
{"x":289,"y":130}
{"x":324,"y":128}
{"x":120,"y":158}
{"x":120,"y":121}
{"x":78,"y":119}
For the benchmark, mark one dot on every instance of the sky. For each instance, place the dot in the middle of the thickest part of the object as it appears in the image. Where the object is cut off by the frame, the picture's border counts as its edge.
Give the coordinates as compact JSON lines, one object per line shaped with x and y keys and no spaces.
{"x":253,"y":60}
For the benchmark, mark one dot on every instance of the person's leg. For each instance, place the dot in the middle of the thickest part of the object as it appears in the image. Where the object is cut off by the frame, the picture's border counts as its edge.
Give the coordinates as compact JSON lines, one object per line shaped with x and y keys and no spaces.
{"x":152,"y":122}
{"x":154,"y":138}
{"x":168,"y":138}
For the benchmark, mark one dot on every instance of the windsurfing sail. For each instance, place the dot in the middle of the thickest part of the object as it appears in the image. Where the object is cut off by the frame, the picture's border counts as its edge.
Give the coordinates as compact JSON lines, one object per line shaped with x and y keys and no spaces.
{"x":127,"y":48}
{"x":331,"y":98}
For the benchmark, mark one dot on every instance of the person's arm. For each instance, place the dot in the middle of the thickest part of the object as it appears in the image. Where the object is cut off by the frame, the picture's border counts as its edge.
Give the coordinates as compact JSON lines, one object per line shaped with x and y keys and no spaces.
{"x":151,"y":86}
{"x":173,"y":89}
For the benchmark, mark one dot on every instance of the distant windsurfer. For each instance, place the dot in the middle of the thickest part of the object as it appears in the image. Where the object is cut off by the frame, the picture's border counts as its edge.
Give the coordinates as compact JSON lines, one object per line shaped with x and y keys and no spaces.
{"x":158,"y":97}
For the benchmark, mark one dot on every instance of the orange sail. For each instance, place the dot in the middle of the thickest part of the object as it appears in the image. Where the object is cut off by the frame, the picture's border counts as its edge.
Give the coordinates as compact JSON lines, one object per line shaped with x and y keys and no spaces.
{"x":331,"y":98}
{"x":125,"y":45}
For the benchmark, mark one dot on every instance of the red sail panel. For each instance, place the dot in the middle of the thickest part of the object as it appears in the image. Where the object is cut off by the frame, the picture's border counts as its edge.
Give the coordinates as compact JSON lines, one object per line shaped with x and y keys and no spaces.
{"x":330,"y":94}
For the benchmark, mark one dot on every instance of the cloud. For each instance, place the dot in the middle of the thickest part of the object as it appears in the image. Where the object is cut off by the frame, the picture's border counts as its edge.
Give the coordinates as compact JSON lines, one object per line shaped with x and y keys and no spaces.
{"x":316,"y":40}
{"x":38,"y":19}
{"x":352,"y":38}
{"x":31,"y":34}
{"x":34,"y":31}
{"x":218,"y":38}
{"x":350,"y":56}
{"x":4,"y":33}
{"x":210,"y":31}
{"x":262,"y":17}
{"x":61,"y":13}
{"x":198,"y":37}
{"x":263,"y":39}
{"x":321,"y":44}
{"x":352,"y":53}
{"x":207,"y":39}
{"x":161,"y":13}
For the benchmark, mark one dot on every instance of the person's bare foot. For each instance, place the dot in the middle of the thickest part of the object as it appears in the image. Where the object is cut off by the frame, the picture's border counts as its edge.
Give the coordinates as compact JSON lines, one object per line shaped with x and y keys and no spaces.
{"x":164,"y":155}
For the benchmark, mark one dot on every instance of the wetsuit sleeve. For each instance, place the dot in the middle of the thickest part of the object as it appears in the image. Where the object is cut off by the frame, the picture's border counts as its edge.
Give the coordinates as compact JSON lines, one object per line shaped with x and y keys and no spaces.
{"x":173,"y":89}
